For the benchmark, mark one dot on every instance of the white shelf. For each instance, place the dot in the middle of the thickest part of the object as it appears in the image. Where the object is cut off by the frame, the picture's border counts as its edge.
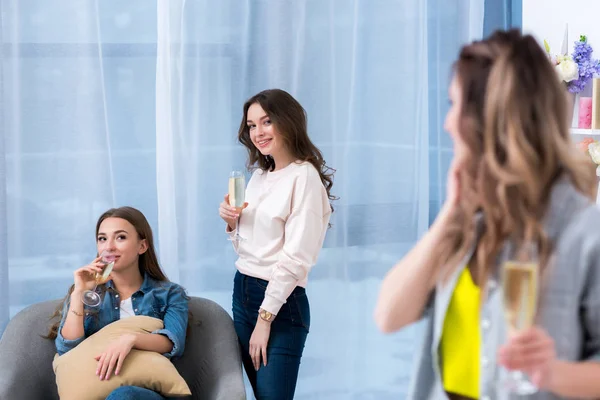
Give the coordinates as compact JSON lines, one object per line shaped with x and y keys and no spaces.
{"x":587,"y":132}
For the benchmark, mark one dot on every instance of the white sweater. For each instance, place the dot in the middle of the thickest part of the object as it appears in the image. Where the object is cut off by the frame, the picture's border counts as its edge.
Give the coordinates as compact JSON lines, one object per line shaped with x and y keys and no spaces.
{"x":284,"y":227}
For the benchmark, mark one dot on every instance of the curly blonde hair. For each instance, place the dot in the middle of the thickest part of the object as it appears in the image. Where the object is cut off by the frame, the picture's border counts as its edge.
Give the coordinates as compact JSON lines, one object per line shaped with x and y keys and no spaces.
{"x":514,"y":121}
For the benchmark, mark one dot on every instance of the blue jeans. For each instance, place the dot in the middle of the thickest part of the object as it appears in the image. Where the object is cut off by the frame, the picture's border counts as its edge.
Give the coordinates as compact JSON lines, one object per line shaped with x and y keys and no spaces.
{"x":276,"y":381}
{"x":134,"y":393}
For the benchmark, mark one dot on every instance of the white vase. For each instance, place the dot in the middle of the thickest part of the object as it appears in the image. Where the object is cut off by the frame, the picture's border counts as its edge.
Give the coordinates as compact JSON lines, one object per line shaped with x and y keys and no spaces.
{"x":575,"y":108}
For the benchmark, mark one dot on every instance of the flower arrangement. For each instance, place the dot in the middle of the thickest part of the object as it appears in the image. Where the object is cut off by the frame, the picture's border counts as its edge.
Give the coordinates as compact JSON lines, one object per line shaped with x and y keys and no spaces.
{"x":592,"y":148}
{"x":578,"y":69}
{"x":587,"y":67}
{"x":566,"y":68}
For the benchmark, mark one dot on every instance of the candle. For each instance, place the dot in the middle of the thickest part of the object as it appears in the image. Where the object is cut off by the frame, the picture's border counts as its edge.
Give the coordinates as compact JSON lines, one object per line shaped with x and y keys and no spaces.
{"x":585,"y":112}
{"x":596,"y":104}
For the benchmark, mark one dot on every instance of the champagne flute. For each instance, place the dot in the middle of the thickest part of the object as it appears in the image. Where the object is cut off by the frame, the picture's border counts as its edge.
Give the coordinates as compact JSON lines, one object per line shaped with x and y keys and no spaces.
{"x":520,"y":277}
{"x":237,"y":194}
{"x":90,"y":297}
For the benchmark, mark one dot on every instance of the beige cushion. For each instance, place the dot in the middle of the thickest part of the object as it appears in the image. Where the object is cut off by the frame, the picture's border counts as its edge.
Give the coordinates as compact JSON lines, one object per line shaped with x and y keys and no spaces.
{"x":76,"y":370}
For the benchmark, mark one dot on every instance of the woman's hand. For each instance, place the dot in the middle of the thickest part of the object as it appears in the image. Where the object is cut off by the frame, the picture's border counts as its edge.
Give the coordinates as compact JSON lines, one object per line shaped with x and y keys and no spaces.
{"x":112,"y":358}
{"x":230,"y":214}
{"x":85,"y":277}
{"x":453,"y":186}
{"x":453,"y":183}
{"x":259,"y":341}
{"x":531,"y":351}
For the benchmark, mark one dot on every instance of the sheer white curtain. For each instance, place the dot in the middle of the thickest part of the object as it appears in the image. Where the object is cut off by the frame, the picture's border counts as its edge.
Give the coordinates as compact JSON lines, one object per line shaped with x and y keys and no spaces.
{"x":77,"y":129}
{"x":108,"y":103}
{"x":4,"y":285}
{"x":373,"y":78}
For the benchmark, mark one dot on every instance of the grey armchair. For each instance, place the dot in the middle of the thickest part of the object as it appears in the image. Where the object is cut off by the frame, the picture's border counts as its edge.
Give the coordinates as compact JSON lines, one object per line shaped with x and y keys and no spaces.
{"x":211,"y":364}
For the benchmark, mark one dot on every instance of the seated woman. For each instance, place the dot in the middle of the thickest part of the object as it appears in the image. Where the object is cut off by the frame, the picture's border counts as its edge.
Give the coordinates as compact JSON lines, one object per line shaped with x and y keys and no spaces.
{"x":136,"y":286}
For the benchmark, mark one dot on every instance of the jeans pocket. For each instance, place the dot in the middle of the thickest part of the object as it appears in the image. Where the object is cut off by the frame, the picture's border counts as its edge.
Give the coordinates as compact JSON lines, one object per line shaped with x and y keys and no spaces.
{"x":262,"y":284}
{"x":303,"y":309}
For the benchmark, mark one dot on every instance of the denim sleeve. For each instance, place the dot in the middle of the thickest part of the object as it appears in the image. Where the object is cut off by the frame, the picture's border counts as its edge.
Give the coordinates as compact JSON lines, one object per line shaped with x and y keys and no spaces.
{"x":64,"y":345}
{"x":175,"y":320}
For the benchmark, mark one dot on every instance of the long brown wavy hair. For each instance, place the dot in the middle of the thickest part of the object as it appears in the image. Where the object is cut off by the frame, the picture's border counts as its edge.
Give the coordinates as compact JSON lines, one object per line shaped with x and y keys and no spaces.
{"x":289,"y":119}
{"x":515,"y":123}
{"x":148,"y":262}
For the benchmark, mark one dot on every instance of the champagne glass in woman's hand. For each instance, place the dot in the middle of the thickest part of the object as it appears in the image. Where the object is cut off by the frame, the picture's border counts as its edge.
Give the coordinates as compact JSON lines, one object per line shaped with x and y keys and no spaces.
{"x":520,"y":276}
{"x":107,"y":261}
{"x":234,"y":203}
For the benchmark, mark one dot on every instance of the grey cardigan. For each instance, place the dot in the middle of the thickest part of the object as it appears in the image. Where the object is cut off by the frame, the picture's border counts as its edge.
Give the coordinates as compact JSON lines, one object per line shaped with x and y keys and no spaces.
{"x":569,"y":306}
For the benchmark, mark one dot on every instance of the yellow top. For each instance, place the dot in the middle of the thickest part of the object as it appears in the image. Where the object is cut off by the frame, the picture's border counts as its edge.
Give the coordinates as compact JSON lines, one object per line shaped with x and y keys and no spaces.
{"x":461,"y":340}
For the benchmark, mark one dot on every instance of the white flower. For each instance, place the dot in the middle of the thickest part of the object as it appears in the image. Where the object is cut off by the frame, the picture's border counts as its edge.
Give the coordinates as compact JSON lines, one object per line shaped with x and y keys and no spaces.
{"x":567,"y":69}
{"x":594,"y":150}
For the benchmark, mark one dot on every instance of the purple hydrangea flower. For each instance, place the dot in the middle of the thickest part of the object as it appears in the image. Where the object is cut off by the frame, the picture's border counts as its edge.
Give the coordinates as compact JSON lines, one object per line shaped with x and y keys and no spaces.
{"x":582,"y":51}
{"x":582,"y":55}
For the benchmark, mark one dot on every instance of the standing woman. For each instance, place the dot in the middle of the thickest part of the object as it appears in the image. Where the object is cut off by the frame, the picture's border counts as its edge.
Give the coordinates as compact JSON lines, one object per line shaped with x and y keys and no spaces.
{"x":282,"y":228}
{"x":516,"y":179}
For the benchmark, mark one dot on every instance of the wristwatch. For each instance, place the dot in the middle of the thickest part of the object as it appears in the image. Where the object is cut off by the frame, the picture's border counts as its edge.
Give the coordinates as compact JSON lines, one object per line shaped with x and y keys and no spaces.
{"x":265,"y":315}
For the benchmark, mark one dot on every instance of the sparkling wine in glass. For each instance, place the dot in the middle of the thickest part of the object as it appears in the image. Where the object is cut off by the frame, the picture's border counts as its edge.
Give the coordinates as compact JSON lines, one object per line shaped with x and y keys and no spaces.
{"x":237,"y":193}
{"x":520,"y":278}
{"x":90,"y":297}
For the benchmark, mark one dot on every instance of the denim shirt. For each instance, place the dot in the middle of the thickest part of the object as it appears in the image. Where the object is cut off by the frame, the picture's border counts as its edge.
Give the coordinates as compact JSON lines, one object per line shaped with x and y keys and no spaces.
{"x":159,"y":299}
{"x":569,"y":304}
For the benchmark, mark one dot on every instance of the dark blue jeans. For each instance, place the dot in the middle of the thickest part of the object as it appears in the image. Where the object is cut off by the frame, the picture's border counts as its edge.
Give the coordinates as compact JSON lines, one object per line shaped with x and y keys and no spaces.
{"x":276,"y":381}
{"x":134,"y":393}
